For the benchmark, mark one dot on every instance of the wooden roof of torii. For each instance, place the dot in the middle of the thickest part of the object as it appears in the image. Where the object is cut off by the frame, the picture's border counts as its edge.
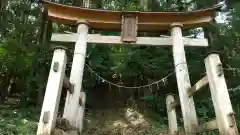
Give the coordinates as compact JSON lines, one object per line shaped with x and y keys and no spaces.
{"x":111,"y":20}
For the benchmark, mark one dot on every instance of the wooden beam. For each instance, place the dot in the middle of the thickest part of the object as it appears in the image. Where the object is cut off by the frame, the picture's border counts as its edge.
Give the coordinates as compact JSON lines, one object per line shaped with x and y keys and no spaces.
{"x":153,"y":41}
{"x":173,"y":104}
{"x":198,"y":86}
{"x":208,"y":126}
{"x":64,"y":124}
{"x":72,"y":100}
{"x":111,"y":20}
{"x":183,"y":81}
{"x":172,"y":117}
{"x":220,"y":96}
{"x":53,"y":92}
{"x":67,"y":84}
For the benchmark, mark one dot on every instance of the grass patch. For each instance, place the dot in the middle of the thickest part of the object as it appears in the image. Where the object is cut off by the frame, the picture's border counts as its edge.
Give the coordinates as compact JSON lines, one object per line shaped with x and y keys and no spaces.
{"x":15,"y":121}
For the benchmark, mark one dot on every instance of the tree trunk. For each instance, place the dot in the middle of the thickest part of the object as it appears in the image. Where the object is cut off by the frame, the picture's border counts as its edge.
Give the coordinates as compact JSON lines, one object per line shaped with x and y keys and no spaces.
{"x":144,"y":5}
{"x":41,"y":92}
{"x":86,"y":3}
{"x":77,"y":3}
{"x":12,"y":81}
{"x":3,"y":4}
{"x":45,"y":37}
{"x":4,"y":89}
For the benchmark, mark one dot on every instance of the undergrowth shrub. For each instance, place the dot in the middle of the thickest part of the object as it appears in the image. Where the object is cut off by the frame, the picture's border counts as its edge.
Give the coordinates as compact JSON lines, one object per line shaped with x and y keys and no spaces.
{"x":18,"y":121}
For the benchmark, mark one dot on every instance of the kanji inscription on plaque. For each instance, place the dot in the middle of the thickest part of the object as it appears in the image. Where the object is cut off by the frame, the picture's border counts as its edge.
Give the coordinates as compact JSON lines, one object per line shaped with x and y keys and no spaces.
{"x":129,"y":28}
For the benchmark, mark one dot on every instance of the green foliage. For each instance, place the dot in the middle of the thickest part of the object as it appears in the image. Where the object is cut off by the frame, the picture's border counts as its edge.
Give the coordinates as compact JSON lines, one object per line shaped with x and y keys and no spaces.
{"x":25,"y":54}
{"x":18,"y":121}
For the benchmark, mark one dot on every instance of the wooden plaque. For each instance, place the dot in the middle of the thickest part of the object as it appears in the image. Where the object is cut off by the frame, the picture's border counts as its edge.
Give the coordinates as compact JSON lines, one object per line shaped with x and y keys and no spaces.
{"x":129,"y":28}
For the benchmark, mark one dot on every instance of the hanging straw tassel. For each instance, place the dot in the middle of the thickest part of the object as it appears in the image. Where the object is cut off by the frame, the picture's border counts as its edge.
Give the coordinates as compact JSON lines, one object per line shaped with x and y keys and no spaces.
{"x":157,"y":85}
{"x":119,"y":90}
{"x":164,"y":81}
{"x":110,"y":87}
{"x":150,"y":88}
{"x":139,"y":89}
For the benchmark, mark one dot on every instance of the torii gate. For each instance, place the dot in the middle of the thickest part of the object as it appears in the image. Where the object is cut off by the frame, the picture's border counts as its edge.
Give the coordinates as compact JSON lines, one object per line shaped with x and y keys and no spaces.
{"x":129,"y":24}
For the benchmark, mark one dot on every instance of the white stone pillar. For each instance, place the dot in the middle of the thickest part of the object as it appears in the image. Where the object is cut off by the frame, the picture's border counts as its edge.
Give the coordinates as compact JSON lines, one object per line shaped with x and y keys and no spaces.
{"x":183,"y":81}
{"x":172,"y":117}
{"x":71,"y":109}
{"x":53,"y":92}
{"x":220,"y":96}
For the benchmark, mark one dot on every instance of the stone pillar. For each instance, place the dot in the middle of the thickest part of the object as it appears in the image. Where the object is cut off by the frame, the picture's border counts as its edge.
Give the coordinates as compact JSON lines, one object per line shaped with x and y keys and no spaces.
{"x":71,"y":110}
{"x":220,"y":96}
{"x":172,"y":117}
{"x":183,"y":81}
{"x":53,"y":92}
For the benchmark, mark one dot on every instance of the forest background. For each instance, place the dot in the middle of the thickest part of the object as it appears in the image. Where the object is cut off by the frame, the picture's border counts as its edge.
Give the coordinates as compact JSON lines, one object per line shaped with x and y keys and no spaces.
{"x":26,"y":53}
